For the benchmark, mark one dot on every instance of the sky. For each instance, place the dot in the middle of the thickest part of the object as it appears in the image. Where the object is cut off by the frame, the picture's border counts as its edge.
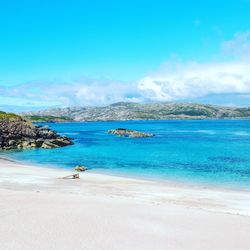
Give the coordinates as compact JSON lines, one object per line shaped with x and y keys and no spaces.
{"x":90,"y":52}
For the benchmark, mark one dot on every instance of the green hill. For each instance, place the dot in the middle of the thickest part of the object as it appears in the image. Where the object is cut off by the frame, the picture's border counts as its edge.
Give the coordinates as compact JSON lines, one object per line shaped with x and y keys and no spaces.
{"x":134,"y":111}
{"x":9,"y":116}
{"x":46,"y":118}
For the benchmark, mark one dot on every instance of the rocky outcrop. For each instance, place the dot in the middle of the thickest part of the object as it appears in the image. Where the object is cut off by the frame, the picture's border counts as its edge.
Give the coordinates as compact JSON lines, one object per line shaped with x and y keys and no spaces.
{"x":17,"y":133}
{"x":80,"y":168}
{"x":129,"y":133}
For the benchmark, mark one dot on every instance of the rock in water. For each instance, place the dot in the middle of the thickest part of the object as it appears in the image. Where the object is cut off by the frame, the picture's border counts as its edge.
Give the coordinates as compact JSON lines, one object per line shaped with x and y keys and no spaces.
{"x":17,"y":133}
{"x":80,"y":168}
{"x":129,"y":133}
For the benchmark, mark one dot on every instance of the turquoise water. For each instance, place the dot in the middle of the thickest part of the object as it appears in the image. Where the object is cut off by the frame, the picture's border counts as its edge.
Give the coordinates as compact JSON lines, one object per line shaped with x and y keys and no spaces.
{"x":208,"y":151}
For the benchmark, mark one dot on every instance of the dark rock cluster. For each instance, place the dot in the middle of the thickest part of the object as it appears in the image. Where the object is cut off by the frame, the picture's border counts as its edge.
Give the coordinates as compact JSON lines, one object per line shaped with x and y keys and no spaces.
{"x":129,"y":133}
{"x":21,"y":134}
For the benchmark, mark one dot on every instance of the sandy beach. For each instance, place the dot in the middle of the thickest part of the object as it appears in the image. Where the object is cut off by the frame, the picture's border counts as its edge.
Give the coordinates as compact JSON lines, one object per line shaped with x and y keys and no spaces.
{"x":39,"y":210}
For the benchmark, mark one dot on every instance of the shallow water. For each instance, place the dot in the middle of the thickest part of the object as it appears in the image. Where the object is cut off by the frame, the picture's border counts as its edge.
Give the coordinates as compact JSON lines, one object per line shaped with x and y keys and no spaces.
{"x":206,"y":151}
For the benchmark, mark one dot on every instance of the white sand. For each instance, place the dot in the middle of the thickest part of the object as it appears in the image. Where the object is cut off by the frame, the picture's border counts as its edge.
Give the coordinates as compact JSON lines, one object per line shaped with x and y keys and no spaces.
{"x":40,"y":211}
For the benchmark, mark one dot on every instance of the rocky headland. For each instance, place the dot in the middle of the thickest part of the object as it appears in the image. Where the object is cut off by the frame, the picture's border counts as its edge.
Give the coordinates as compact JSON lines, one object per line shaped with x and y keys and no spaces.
{"x":129,"y":133}
{"x":18,"y":133}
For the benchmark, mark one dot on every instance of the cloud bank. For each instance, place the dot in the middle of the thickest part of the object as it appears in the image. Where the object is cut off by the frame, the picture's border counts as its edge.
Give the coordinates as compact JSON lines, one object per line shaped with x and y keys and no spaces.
{"x":193,"y":79}
{"x":176,"y":81}
{"x":190,"y":80}
{"x":85,"y":92}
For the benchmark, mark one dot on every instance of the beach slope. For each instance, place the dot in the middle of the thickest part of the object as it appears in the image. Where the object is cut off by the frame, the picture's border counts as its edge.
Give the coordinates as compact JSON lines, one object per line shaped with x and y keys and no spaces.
{"x":39,"y":210}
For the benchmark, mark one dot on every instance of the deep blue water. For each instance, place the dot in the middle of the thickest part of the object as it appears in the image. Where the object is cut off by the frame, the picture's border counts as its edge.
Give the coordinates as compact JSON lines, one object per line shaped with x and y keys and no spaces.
{"x":207,"y":151}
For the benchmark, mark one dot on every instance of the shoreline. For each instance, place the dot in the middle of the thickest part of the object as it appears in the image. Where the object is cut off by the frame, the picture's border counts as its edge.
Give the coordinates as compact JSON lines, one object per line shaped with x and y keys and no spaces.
{"x":52,"y":175}
{"x":143,"y":120}
{"x":169,"y":182}
{"x":107,"y":212}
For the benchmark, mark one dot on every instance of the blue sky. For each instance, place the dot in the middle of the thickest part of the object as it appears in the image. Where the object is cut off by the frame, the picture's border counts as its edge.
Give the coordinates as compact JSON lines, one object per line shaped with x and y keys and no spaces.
{"x":98,"y":52}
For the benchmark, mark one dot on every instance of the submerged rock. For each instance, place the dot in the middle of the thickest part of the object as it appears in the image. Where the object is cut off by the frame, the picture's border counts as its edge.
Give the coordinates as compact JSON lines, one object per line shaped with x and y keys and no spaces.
{"x":17,"y":133}
{"x":129,"y":133}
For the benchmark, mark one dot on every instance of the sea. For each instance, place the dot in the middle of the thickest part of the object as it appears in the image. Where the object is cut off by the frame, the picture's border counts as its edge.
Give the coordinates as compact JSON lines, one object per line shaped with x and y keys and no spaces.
{"x":199,"y":152}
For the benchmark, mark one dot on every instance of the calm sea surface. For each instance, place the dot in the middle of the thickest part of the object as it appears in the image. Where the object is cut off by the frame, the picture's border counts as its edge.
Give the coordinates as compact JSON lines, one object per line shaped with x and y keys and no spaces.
{"x":213,"y":152}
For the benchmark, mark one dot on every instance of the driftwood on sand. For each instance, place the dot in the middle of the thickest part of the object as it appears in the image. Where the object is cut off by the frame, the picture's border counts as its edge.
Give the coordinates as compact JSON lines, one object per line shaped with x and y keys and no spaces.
{"x":72,"y":176}
{"x":78,"y":168}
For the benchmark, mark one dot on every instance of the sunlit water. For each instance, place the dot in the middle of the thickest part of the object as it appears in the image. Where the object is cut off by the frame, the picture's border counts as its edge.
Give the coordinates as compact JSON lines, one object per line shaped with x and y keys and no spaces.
{"x":213,"y":152}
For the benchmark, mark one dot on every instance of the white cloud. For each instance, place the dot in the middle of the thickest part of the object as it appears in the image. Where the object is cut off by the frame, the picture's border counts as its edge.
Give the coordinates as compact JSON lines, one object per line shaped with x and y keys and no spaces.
{"x":85,"y":92}
{"x":193,"y":79}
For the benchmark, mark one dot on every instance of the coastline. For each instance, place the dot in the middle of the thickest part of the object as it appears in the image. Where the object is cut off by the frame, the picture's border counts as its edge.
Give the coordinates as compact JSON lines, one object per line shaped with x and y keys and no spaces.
{"x":117,"y":212}
{"x":181,"y":183}
{"x":24,"y":171}
{"x":143,"y":120}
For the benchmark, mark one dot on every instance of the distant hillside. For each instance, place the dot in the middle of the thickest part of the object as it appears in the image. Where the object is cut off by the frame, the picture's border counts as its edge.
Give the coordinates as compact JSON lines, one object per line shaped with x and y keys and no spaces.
{"x":46,"y":118}
{"x":134,"y":111}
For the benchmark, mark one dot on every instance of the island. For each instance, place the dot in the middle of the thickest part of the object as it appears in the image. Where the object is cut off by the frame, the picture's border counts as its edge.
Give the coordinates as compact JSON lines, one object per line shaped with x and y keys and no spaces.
{"x":129,"y":133}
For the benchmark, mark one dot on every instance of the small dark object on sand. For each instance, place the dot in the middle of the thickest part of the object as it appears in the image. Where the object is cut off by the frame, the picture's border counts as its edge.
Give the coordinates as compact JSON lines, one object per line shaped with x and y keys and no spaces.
{"x":80,"y":168}
{"x":73,"y":176}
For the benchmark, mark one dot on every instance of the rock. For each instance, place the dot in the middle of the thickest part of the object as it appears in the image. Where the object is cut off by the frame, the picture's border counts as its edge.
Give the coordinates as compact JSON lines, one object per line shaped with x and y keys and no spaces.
{"x":12,"y":143}
{"x":49,"y":144}
{"x":39,"y":143}
{"x":129,"y":133}
{"x":56,"y":143}
{"x":17,"y":133}
{"x":80,"y":168}
{"x":1,"y":141}
{"x":25,"y":144}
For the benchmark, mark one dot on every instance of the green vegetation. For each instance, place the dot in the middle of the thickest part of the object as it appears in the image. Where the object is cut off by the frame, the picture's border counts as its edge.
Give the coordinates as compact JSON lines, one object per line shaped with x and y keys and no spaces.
{"x":9,"y":116}
{"x":46,"y":118}
{"x":33,"y":118}
{"x":243,"y":112}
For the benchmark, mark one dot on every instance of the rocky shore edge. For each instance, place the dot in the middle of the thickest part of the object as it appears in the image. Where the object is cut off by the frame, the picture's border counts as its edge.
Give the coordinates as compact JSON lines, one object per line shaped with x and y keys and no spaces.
{"x":18,"y":133}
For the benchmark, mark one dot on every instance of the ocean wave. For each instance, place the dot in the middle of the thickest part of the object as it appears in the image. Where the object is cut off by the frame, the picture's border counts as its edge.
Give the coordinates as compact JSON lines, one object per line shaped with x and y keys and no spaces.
{"x":211,"y":132}
{"x":242,"y":133}
{"x":70,"y":133}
